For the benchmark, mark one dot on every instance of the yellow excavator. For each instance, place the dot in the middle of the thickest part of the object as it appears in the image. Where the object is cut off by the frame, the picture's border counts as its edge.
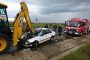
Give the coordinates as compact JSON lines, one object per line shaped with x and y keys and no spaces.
{"x":8,"y":38}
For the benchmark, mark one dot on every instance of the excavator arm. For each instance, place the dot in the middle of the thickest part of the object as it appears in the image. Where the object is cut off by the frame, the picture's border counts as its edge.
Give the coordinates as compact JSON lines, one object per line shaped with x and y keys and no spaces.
{"x":18,"y":24}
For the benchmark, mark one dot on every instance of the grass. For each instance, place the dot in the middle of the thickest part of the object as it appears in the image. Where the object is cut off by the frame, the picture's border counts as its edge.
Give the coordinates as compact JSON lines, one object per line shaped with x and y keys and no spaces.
{"x":37,"y":25}
{"x":81,"y":54}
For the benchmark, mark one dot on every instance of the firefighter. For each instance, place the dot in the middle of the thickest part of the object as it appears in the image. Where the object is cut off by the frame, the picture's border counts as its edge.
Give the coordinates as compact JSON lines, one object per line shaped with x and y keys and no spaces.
{"x":55,"y":27}
{"x":56,"y":30}
{"x":59,"y":30}
{"x":46,"y":26}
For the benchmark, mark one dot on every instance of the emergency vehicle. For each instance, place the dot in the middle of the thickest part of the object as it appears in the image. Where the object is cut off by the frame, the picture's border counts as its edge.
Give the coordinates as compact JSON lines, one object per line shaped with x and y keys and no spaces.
{"x":77,"y":26}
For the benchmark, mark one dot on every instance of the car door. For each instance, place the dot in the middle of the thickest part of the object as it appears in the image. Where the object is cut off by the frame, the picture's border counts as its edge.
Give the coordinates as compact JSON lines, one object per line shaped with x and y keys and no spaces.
{"x":43,"y":36}
{"x":49,"y":34}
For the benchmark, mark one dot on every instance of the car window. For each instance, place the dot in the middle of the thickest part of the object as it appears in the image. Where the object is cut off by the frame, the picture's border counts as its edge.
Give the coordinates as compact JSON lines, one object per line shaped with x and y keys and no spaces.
{"x":43,"y":32}
{"x":37,"y":32}
{"x":40,"y":34}
{"x":48,"y":31}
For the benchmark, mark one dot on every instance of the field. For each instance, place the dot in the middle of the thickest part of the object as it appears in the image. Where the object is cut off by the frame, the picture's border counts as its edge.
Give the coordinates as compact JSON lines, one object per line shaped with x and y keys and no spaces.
{"x":37,"y":25}
{"x":82,"y":54}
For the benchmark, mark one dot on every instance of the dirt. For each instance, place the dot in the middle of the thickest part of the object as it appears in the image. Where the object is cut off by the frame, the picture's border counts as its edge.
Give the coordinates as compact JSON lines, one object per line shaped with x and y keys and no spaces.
{"x":62,"y":55}
{"x":24,"y":55}
{"x":48,"y":50}
{"x":54,"y":49}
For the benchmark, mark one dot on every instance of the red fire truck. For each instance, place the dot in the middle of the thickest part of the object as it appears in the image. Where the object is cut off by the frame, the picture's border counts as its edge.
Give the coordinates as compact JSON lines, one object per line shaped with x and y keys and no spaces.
{"x":76,"y":26}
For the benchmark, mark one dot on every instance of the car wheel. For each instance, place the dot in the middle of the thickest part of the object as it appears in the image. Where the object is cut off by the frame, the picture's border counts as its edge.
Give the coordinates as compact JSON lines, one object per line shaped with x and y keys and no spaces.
{"x":35,"y":44}
{"x":4,"y":44}
{"x":67,"y":34}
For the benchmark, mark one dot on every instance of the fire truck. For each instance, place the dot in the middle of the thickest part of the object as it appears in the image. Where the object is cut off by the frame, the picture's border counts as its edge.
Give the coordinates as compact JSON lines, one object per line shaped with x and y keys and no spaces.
{"x":77,"y":26}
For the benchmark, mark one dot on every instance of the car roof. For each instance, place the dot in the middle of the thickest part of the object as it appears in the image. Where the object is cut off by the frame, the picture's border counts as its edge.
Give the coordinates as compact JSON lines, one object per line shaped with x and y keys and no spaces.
{"x":41,"y":28}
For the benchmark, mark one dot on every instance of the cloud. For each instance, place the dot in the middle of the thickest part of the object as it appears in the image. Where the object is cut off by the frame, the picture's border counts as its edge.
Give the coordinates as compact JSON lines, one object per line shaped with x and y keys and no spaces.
{"x":69,"y":6}
{"x":51,"y":10}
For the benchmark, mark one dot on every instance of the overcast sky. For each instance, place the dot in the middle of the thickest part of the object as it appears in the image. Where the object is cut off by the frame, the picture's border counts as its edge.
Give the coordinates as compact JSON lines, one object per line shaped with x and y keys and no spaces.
{"x":54,"y":11}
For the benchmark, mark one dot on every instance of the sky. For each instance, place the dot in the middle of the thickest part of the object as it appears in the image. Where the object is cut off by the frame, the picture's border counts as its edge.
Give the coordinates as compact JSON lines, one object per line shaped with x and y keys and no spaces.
{"x":50,"y":11}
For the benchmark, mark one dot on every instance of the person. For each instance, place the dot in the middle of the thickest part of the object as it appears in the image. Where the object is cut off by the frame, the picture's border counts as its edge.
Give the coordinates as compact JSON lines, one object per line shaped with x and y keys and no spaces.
{"x":59,"y":30}
{"x":46,"y":26}
{"x":55,"y":27}
{"x":56,"y":31}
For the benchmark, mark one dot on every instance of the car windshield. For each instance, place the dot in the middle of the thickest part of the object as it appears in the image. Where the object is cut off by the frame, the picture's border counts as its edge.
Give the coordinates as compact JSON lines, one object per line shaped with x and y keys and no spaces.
{"x":75,"y":24}
{"x":40,"y":32}
{"x":37,"y":32}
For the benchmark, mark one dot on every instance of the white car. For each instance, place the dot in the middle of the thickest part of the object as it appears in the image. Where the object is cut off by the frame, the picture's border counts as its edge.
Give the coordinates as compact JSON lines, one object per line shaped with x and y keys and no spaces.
{"x":42,"y":35}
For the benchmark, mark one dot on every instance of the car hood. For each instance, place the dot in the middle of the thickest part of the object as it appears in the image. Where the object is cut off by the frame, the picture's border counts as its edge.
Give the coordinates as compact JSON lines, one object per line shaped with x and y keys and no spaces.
{"x":33,"y":39}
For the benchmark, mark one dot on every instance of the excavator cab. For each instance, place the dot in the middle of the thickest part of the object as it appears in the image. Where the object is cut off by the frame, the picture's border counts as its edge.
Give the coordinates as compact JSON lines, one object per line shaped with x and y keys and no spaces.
{"x":4,"y":24}
{"x":3,"y":17}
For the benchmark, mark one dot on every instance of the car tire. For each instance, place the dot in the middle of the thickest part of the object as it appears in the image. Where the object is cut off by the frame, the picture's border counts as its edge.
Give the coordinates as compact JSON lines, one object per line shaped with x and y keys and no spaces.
{"x":35,"y":44}
{"x":6,"y":44}
{"x":67,"y":34}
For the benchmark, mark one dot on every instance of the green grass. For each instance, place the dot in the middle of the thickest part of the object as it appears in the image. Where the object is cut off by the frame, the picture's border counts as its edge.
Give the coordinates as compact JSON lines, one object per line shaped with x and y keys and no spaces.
{"x":81,"y":54}
{"x":37,"y":25}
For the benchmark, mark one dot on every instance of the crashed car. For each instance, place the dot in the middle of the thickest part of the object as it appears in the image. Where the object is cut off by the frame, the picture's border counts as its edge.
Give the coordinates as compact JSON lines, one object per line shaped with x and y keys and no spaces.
{"x":41,"y":35}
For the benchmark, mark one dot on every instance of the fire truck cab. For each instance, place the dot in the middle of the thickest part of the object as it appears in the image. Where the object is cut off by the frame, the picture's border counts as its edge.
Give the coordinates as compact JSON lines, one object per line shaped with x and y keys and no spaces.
{"x":77,"y":26}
